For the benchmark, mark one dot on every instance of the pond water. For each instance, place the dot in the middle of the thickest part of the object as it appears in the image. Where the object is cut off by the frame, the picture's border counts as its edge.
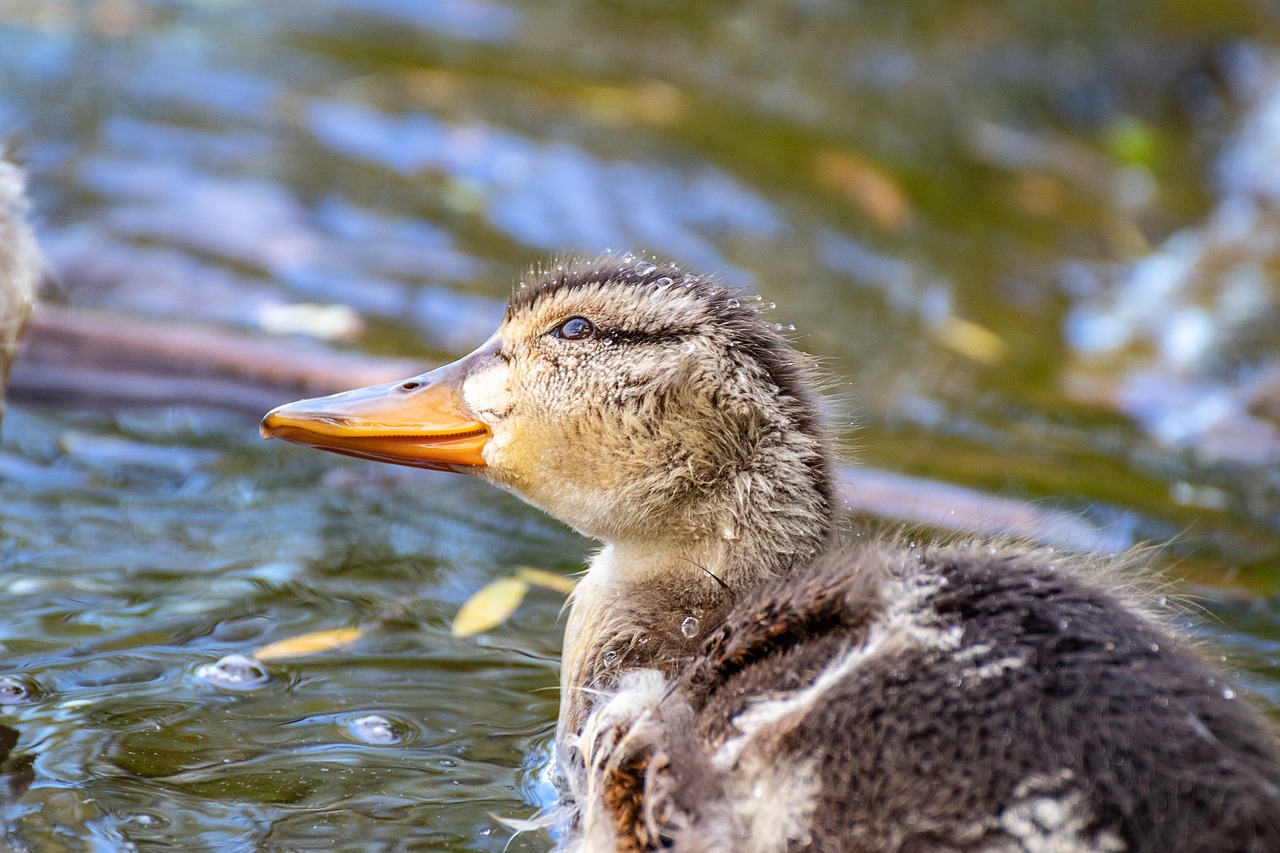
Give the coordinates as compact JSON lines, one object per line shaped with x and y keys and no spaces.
{"x":1031,"y":242}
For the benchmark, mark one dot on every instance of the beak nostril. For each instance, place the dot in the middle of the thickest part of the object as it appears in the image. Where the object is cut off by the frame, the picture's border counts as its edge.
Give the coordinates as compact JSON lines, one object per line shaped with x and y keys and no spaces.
{"x":411,"y":385}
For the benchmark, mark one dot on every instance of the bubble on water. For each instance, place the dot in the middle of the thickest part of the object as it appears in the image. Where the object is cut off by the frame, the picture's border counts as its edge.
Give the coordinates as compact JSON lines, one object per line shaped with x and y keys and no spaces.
{"x":644,"y":267}
{"x":234,"y":672}
{"x":147,"y":820}
{"x":14,"y":691}
{"x":689,"y":627}
{"x":374,"y":729}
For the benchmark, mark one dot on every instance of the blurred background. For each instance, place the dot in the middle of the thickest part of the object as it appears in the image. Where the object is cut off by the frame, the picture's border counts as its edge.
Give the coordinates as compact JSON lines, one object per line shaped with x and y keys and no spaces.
{"x":1036,"y":245}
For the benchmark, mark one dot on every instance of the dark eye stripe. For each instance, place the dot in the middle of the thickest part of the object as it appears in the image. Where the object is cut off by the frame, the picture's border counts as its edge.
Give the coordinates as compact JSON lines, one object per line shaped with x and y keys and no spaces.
{"x":578,"y":328}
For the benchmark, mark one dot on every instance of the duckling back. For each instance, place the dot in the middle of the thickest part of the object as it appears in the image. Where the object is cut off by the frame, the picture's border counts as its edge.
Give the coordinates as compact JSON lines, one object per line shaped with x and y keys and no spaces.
{"x":948,"y":698}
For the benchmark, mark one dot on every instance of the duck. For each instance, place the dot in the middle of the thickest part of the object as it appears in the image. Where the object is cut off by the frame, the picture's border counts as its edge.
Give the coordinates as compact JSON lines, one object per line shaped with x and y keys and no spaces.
{"x":20,"y":264}
{"x":741,"y":673}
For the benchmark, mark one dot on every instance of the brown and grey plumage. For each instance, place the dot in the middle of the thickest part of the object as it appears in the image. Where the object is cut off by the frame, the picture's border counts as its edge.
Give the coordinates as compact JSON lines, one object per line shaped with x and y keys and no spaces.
{"x":20,"y":262}
{"x":734,"y":681}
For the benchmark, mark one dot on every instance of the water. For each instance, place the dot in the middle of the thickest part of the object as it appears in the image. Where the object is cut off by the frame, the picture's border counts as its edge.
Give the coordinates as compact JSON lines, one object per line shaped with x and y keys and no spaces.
{"x":966,"y":212}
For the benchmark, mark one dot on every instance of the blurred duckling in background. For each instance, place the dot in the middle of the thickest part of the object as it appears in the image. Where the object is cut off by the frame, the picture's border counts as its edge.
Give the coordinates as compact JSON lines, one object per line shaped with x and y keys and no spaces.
{"x":734,"y":680}
{"x":20,"y":263}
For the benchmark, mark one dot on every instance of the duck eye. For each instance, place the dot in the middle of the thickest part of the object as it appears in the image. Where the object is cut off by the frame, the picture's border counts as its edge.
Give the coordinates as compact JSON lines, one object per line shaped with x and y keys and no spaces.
{"x":574,"y":329}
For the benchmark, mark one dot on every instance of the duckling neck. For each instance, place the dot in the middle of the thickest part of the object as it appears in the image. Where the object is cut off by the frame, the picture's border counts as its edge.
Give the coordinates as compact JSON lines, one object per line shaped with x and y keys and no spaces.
{"x":648,"y":602}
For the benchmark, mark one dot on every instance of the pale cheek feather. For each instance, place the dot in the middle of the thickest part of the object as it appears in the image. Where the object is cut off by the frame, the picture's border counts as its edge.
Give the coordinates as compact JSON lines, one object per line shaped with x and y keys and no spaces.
{"x":486,"y":393}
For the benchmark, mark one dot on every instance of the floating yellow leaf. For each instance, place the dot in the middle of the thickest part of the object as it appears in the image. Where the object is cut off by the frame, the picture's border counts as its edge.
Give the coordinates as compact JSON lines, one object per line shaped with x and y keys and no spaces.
{"x":1040,"y":195}
{"x":865,"y":185}
{"x":546,"y":580}
{"x":489,"y":607}
{"x":969,"y":339}
{"x":306,"y":644}
{"x":660,"y":103}
{"x":435,"y":88}
{"x":651,"y":102}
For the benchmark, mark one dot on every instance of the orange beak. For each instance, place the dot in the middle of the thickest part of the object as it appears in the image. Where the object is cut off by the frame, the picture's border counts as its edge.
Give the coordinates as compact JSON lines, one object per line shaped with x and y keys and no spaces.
{"x":421,"y":422}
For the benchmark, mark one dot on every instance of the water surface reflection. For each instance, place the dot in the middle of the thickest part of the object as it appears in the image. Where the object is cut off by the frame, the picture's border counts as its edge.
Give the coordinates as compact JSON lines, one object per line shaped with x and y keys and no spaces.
{"x":965,"y":210}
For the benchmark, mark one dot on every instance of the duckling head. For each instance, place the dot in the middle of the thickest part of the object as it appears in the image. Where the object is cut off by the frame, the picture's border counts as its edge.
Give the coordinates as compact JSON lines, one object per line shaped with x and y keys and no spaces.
{"x":636,"y":402}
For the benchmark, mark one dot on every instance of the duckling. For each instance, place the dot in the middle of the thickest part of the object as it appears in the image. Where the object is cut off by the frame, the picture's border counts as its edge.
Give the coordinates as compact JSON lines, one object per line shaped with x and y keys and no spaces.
{"x":20,"y":263}
{"x":733,"y":678}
